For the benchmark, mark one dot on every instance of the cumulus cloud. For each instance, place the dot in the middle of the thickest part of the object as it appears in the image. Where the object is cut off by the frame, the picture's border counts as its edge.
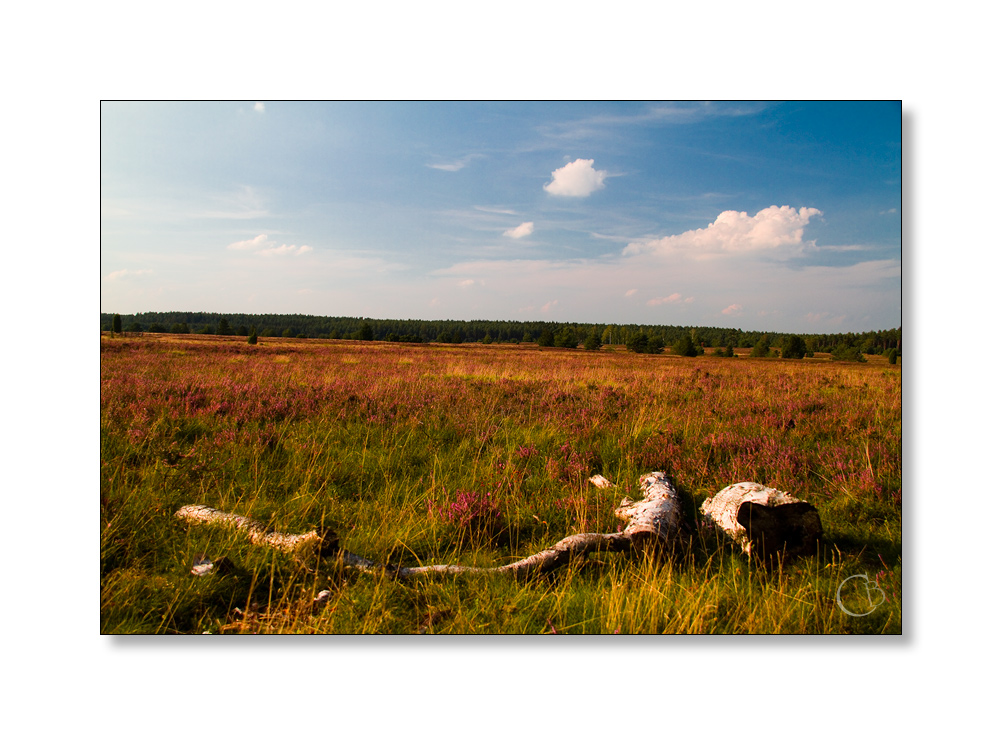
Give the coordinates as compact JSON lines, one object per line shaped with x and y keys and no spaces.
{"x":577,"y":179}
{"x":261,"y":245}
{"x":732,"y":309}
{"x":523,"y":230}
{"x":772,"y":229}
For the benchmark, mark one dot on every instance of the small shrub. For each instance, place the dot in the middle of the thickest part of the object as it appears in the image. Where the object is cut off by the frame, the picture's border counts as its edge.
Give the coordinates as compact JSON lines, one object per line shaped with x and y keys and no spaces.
{"x":474,"y":512}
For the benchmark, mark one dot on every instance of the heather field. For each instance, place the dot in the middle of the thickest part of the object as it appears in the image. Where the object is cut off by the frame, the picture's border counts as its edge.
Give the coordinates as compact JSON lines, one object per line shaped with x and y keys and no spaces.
{"x":479,"y":455}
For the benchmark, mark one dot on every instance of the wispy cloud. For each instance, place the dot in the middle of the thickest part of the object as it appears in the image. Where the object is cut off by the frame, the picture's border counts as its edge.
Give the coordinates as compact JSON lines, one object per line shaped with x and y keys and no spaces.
{"x":494,"y":210}
{"x":577,"y":179}
{"x":259,"y":107}
{"x":126,"y":273}
{"x":245,"y":203}
{"x":523,"y":230}
{"x":456,"y":165}
{"x":659,"y":114}
{"x":548,"y":305}
{"x":733,"y":310}
{"x":771,"y":229}
{"x":255,"y":243}
{"x":262,"y":246}
{"x":675,"y":298}
{"x":286,"y":250}
{"x":631,"y":292}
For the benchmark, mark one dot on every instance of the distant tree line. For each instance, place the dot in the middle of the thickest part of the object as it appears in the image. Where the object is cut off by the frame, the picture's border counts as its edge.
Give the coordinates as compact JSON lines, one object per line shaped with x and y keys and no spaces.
{"x":644,"y":338}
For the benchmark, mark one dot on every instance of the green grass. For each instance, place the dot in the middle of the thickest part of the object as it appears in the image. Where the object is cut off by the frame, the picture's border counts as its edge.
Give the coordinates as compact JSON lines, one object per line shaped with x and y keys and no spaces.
{"x":378,"y":441}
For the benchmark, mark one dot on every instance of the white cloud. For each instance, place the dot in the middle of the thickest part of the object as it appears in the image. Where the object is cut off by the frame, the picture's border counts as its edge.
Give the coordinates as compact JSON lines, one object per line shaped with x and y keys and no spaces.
{"x":523,"y":230}
{"x":630,"y":293}
{"x":673,"y":299}
{"x":771,"y":229}
{"x":259,"y":107}
{"x":126,"y":273}
{"x":456,"y":165}
{"x":494,"y":210}
{"x":263,"y":247}
{"x":254,"y":243}
{"x":732,"y":309}
{"x":286,"y":250}
{"x":577,"y":179}
{"x":547,"y":306}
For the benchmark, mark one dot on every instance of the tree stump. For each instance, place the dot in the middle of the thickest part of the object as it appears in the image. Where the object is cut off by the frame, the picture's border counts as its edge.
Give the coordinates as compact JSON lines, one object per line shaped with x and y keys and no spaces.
{"x":764,"y":520}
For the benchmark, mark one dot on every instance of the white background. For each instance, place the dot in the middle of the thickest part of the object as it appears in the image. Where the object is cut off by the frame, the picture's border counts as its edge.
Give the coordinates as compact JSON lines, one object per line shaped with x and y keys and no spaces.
{"x":61,"y":61}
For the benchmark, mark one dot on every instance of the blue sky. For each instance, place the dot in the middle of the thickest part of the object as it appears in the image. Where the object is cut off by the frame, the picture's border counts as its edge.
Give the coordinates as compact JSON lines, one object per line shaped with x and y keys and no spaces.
{"x":761,"y":216}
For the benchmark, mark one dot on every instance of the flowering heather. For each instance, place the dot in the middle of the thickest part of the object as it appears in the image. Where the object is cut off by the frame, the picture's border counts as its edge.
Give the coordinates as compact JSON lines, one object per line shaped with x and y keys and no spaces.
{"x":363,"y":437}
{"x":467,"y":509}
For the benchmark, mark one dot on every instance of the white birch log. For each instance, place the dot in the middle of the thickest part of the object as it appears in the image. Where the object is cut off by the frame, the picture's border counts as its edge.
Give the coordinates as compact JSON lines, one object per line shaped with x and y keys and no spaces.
{"x":657,"y":519}
{"x":259,"y":534}
{"x":564,"y":551}
{"x":568,"y":549}
{"x":764,"y":520}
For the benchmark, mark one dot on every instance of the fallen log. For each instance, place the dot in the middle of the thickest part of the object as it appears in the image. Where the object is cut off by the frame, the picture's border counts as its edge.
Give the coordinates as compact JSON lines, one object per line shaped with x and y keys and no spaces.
{"x":653,"y":522}
{"x":764,"y":520}
{"x":324,"y":540}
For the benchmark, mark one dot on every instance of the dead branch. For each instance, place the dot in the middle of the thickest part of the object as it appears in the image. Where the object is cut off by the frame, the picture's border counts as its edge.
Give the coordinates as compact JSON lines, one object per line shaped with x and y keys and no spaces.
{"x":323,"y":541}
{"x":652,"y":522}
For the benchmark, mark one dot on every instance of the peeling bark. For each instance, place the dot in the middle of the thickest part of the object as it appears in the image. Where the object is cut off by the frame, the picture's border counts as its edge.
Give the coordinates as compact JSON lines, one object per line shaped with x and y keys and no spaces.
{"x":764,"y":520}
{"x":655,"y":520}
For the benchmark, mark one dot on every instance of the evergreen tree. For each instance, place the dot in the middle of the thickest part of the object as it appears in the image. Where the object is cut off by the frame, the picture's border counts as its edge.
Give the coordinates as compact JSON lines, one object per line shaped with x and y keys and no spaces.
{"x":566,"y":338}
{"x":684,"y":346}
{"x":364,"y":332}
{"x":794,"y":347}
{"x":252,"y":337}
{"x":545,"y":338}
{"x":224,"y":327}
{"x":116,"y":324}
{"x":761,"y":348}
{"x":637,"y":342}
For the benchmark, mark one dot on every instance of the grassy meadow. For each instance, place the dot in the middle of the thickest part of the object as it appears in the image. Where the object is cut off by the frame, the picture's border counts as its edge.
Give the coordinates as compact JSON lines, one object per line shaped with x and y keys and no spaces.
{"x":479,"y":455}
